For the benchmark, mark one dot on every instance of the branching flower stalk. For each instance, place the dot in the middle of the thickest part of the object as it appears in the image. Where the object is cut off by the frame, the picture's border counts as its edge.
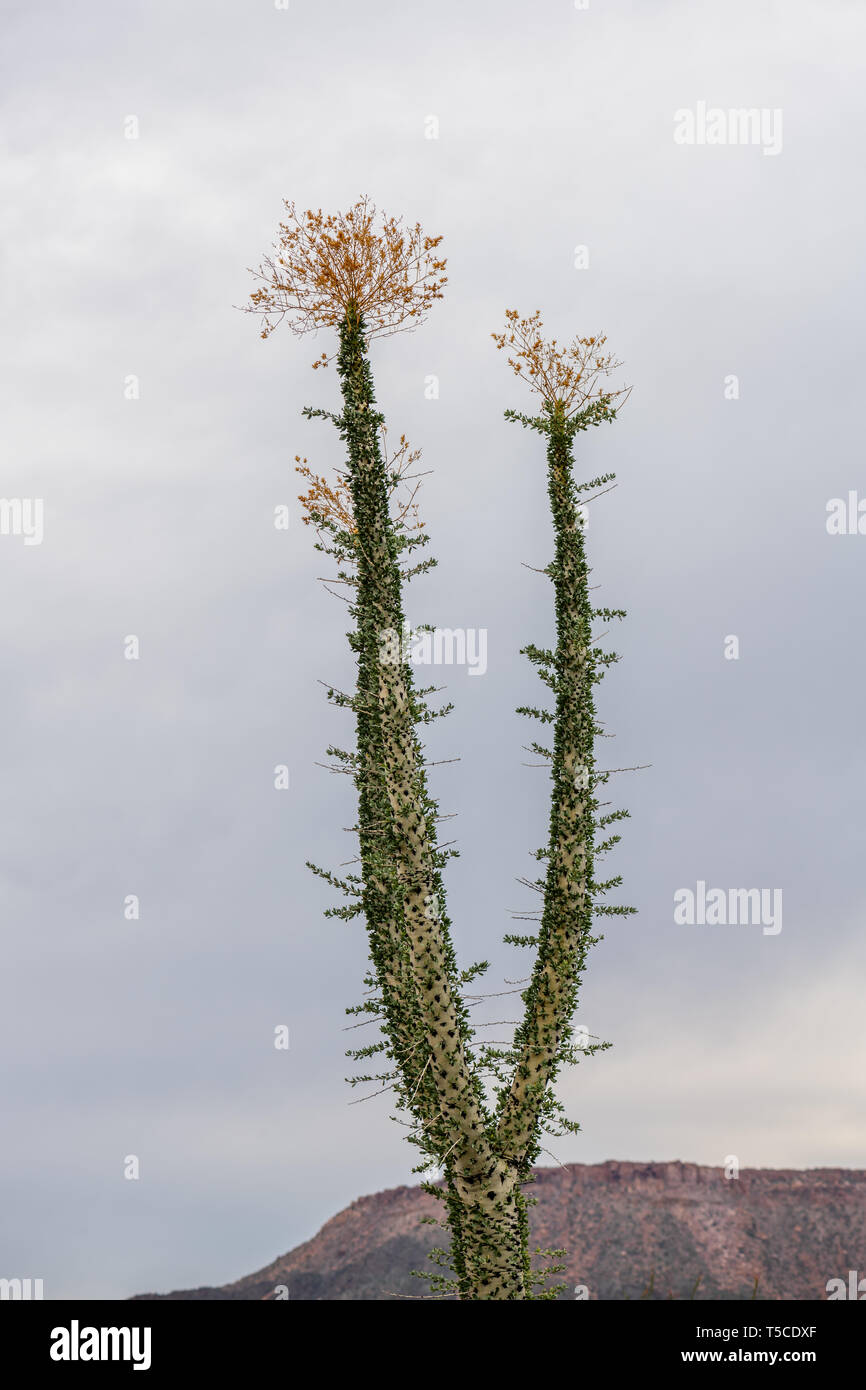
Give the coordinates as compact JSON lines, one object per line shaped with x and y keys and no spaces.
{"x":364,"y":275}
{"x":569,"y":379}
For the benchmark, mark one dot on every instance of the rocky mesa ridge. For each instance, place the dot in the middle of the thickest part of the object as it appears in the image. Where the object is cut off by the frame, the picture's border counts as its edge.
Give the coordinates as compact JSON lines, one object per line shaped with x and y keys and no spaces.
{"x":656,"y":1230}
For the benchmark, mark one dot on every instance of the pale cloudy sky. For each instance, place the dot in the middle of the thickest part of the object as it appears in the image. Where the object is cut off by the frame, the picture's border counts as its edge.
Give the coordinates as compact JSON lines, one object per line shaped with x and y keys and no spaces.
{"x":125,"y":257}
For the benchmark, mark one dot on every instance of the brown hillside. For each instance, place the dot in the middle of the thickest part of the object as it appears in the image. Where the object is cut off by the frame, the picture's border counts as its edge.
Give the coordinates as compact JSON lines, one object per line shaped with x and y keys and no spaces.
{"x":622,"y":1225}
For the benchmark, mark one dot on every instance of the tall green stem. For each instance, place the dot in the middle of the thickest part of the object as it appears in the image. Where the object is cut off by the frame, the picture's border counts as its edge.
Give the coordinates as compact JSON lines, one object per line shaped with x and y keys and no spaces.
{"x":567,"y":915}
{"x":403,"y":894}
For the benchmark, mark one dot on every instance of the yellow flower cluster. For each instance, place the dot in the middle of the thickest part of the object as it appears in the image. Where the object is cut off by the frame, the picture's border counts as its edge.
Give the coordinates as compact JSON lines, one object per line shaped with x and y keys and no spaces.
{"x":326,"y":267}
{"x":567,"y":377}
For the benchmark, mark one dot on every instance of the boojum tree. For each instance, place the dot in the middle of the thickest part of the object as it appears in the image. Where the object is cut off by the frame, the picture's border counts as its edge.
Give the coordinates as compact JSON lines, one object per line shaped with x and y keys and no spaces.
{"x":476,"y":1112}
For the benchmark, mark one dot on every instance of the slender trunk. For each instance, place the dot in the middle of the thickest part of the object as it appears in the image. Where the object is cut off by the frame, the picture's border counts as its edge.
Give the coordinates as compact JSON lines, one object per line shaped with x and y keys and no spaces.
{"x":403,"y":891}
{"x":567,"y":916}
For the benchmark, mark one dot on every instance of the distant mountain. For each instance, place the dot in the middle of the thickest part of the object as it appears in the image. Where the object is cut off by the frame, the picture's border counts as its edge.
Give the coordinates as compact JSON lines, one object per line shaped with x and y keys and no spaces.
{"x":629,"y":1230}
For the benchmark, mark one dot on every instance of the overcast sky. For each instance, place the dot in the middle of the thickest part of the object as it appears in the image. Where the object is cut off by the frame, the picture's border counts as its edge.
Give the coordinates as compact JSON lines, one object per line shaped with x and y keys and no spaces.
{"x":123,"y":257}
